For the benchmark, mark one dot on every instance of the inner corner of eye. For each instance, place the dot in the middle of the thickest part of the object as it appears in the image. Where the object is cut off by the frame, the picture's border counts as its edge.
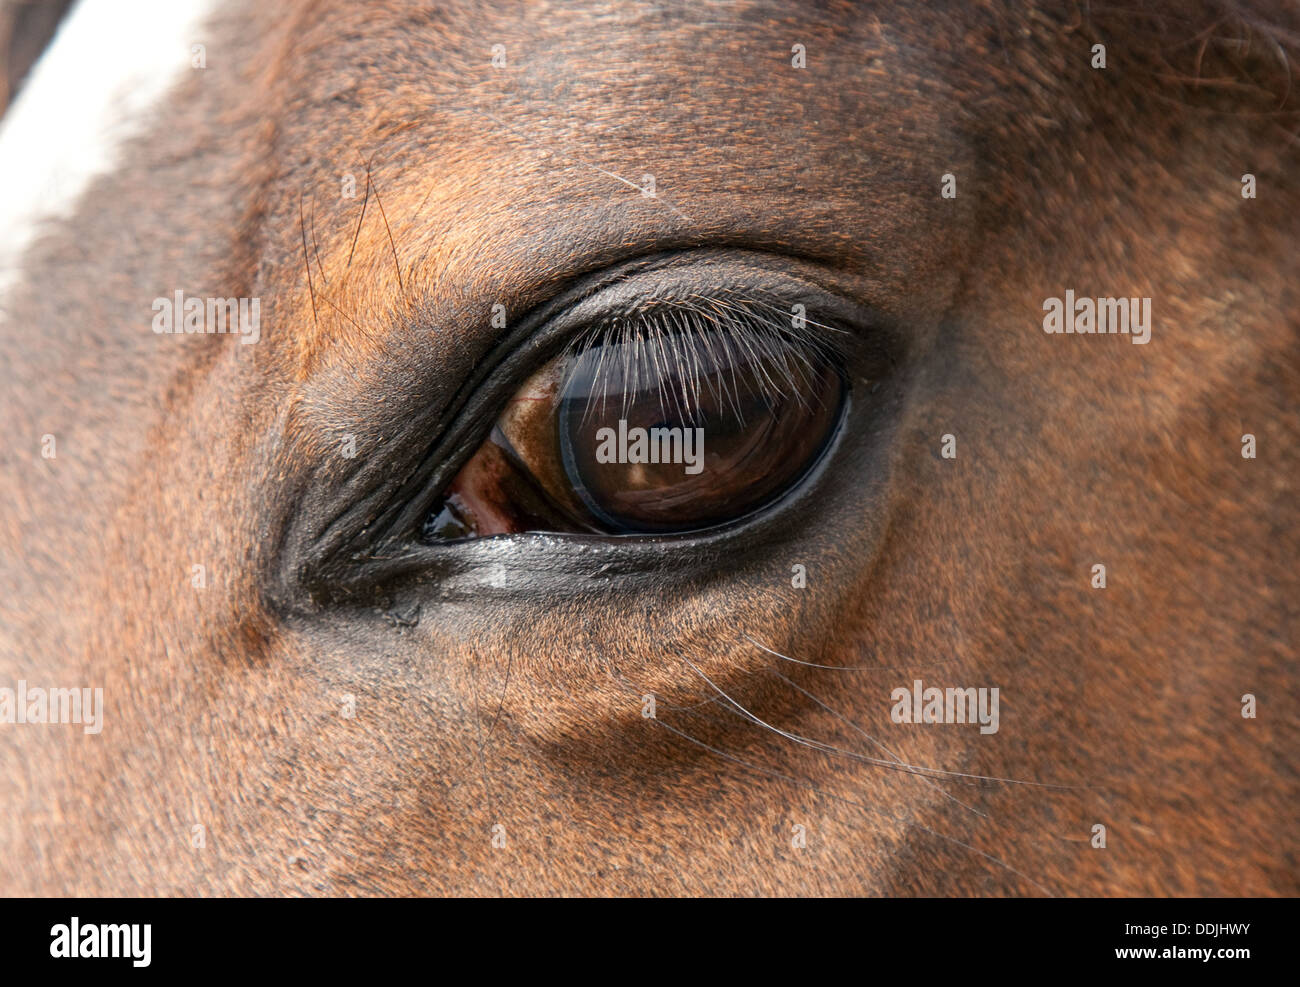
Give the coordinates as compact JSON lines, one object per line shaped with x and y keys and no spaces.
{"x":653,"y":426}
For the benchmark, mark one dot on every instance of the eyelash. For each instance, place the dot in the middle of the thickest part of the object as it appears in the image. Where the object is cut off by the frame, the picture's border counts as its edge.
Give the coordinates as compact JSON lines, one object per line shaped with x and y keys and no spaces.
{"x":660,"y":336}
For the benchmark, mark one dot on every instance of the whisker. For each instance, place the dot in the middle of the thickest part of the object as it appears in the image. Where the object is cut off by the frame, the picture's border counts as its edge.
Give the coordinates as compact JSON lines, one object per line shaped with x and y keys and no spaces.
{"x":867,"y":759}
{"x":315,"y":247}
{"x":364,"y":202}
{"x":397,"y":264}
{"x":307,"y":261}
{"x":330,"y":302}
{"x":843,"y":668}
{"x":501,"y":702}
{"x":854,"y":802}
{"x":844,"y":719}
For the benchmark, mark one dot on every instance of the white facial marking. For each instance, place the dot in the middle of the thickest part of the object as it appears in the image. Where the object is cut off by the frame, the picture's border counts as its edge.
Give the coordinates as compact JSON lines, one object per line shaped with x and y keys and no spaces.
{"x":91,"y":90}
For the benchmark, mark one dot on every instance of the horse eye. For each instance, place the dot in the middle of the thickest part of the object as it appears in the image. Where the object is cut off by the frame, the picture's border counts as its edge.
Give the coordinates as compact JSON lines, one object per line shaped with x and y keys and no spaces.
{"x":666,"y":423}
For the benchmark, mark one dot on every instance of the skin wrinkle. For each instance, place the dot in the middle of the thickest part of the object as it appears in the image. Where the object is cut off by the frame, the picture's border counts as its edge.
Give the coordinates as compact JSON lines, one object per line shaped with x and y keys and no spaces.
{"x":510,"y":689}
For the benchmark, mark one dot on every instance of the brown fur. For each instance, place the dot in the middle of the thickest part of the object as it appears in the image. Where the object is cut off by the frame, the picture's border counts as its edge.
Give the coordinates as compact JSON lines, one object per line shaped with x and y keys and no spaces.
{"x":480,"y":705}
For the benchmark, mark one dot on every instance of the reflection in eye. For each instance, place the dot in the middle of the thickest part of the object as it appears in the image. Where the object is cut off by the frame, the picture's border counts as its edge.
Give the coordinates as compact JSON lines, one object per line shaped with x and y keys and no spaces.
{"x":679,"y":418}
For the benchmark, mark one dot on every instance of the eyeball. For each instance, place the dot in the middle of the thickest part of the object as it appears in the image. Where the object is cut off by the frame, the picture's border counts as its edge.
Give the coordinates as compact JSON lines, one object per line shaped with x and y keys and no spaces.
{"x":671,"y":421}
